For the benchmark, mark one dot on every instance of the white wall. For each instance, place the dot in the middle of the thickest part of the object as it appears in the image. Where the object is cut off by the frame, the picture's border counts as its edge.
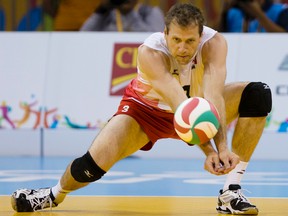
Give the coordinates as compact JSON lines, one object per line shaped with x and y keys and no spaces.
{"x":70,"y":75}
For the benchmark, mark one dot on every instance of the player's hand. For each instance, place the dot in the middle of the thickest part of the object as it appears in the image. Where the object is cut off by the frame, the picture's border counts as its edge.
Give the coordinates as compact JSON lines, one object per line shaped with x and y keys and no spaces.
{"x":228,"y":160}
{"x":213,"y":164}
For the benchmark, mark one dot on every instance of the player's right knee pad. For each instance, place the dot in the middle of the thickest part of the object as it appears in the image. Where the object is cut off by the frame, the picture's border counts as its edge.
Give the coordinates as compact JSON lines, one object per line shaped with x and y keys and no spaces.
{"x":256,"y":100}
{"x":85,"y":170}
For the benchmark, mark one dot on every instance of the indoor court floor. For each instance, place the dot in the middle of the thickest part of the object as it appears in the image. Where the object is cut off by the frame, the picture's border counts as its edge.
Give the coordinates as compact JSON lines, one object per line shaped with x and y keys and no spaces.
{"x":138,"y":186}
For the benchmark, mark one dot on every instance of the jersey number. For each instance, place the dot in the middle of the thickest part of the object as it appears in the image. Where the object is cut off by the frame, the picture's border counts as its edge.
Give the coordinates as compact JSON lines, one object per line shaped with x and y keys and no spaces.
{"x":125,"y":108}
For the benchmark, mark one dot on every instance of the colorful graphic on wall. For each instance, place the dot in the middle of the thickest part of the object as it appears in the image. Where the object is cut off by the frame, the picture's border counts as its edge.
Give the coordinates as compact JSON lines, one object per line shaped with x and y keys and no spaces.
{"x":35,"y":116}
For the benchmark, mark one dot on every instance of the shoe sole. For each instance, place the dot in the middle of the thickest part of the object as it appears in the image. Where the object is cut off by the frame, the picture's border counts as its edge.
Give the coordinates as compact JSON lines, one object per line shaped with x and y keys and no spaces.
{"x":251,"y":211}
{"x":13,"y":203}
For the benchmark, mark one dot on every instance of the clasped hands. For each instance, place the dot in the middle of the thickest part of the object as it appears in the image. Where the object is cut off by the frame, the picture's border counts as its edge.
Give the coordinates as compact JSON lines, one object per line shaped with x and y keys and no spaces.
{"x":221,"y":163}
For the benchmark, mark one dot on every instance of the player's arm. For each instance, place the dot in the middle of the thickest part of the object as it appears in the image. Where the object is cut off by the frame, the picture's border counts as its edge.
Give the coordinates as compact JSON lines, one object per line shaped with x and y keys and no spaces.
{"x":212,"y":162}
{"x":214,"y":55}
{"x":155,"y":64}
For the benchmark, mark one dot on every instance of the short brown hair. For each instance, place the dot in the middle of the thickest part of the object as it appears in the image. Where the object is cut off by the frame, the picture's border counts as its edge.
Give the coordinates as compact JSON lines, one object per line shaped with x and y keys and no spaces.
{"x":185,"y":14}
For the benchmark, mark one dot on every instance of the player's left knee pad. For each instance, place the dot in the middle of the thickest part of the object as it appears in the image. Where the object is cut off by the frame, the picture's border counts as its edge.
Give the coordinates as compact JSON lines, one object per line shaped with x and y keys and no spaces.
{"x":85,"y":170}
{"x":256,"y":100}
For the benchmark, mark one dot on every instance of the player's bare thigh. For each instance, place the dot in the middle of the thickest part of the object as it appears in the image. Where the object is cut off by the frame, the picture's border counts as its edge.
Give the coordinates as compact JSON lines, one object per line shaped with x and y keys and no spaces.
{"x":232,"y":97}
{"x":121,"y":137}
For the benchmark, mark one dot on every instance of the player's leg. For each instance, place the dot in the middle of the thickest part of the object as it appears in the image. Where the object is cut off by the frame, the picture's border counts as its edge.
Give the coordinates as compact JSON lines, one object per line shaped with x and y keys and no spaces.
{"x":121,"y":137}
{"x":250,"y":103}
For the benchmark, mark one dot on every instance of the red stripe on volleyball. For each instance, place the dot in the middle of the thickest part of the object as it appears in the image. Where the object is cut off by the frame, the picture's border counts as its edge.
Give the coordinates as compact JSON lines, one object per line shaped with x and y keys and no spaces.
{"x":179,"y":128}
{"x":213,"y":109}
{"x":201,"y":135}
{"x":189,"y":107}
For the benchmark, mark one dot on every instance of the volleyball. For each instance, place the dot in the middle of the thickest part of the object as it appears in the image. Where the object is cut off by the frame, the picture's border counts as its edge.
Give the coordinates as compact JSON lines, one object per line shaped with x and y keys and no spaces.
{"x":196,"y":120}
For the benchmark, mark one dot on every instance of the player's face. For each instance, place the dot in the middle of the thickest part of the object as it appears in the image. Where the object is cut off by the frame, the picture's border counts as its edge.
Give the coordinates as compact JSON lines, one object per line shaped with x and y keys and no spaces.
{"x":182,"y":42}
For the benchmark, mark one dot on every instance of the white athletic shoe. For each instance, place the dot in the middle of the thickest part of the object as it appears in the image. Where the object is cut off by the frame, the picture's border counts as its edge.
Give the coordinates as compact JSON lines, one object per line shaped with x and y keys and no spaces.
{"x":233,"y":201}
{"x":29,"y":200}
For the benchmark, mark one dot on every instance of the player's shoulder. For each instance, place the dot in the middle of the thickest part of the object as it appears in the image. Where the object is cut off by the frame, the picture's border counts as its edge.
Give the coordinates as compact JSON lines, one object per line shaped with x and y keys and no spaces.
{"x":155,"y":38}
{"x":156,"y":41}
{"x":211,"y":36}
{"x":149,"y":52}
{"x":217,"y":42}
{"x":208,"y":30}
{"x":215,"y":45}
{"x":207,"y":34}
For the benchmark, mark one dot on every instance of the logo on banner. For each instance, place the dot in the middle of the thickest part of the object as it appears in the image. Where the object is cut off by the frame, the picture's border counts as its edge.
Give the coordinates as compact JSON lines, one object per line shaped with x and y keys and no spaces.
{"x":124,"y":67}
{"x":282,"y":90}
{"x":284,"y":64}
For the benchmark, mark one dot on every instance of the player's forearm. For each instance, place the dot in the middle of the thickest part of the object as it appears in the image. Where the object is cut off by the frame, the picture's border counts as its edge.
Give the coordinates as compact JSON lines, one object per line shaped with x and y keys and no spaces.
{"x":174,"y":95}
{"x":207,"y":148}
{"x":220,"y":138}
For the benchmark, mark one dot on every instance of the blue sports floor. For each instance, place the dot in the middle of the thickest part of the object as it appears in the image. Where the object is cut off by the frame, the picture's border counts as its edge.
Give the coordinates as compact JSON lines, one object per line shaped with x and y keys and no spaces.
{"x":146,"y":177}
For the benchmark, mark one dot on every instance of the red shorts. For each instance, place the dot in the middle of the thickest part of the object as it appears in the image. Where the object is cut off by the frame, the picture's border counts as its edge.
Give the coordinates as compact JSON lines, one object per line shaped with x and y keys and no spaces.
{"x":155,"y":123}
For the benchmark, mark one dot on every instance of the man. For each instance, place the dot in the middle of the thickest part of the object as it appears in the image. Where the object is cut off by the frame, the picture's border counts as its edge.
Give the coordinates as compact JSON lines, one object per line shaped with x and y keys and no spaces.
{"x":254,"y":16}
{"x":186,"y":56}
{"x":125,"y":15}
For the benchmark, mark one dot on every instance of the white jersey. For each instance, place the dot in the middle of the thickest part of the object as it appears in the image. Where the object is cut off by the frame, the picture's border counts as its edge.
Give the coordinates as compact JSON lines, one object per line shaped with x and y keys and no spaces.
{"x":189,"y":76}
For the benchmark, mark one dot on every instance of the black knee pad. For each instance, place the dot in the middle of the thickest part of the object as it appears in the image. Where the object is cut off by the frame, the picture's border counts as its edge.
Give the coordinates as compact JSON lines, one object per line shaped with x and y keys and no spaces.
{"x":84,"y":169}
{"x":256,"y":100}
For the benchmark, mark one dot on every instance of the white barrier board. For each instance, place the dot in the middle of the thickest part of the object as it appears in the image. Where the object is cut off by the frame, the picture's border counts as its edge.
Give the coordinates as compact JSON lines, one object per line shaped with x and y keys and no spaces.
{"x":69,"y":84}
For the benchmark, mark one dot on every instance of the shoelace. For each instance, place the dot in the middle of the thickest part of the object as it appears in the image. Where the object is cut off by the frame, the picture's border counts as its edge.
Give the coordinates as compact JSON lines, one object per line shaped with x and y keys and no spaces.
{"x":43,"y":204}
{"x":37,"y":202}
{"x":242,"y":196}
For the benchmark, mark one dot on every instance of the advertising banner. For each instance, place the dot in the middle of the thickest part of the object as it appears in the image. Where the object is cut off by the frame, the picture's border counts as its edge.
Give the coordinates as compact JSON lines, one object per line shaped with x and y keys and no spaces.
{"x":73,"y":80}
{"x":64,"y":80}
{"x":265,"y":58}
